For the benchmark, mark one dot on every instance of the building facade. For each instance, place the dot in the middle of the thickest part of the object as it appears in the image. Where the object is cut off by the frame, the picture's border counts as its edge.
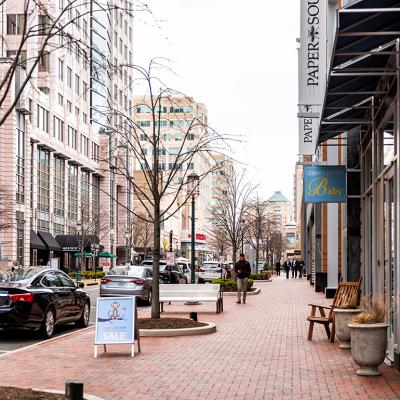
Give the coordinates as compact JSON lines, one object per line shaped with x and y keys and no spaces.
{"x":51,"y":142}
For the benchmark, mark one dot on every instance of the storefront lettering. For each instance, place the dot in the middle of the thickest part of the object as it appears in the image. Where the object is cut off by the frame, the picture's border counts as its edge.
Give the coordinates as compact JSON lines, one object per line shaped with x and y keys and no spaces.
{"x":318,"y":187}
{"x":313,"y":53}
{"x":307,"y":124}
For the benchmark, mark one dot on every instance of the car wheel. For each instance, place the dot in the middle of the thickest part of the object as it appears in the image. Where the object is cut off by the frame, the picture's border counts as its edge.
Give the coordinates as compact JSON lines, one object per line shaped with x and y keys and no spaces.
{"x":49,"y":322}
{"x":83,"y":321}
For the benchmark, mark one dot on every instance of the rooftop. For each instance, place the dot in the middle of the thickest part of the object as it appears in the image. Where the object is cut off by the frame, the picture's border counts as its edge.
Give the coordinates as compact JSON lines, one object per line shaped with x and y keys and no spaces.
{"x":278,"y":197}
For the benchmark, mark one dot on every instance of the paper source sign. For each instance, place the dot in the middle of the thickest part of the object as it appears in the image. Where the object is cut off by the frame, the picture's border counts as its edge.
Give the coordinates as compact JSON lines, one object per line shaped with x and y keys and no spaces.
{"x":312,"y":72}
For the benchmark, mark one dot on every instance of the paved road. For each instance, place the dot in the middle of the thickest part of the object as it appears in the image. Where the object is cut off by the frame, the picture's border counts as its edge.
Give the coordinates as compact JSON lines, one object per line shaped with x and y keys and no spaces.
{"x":12,"y":340}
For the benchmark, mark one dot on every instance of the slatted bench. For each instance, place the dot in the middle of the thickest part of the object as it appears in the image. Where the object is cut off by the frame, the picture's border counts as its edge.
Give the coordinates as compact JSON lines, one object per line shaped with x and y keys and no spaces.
{"x":208,"y":292}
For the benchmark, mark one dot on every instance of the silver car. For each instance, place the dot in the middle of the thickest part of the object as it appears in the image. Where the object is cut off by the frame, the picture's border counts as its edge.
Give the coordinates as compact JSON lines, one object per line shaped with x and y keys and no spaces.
{"x":131,"y":280}
{"x":210,"y":270}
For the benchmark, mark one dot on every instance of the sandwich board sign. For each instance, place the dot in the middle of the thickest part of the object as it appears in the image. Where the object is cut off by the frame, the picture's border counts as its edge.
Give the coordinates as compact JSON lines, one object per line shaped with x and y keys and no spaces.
{"x":116,"y":322}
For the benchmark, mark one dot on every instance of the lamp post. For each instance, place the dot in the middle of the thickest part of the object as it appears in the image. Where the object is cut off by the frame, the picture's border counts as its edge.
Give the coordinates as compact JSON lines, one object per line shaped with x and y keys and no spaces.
{"x":78,"y":228}
{"x":127,"y":258}
{"x":193,"y":191}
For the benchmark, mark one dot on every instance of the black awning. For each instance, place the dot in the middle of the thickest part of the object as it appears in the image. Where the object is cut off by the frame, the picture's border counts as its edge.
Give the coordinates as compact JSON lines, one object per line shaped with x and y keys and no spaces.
{"x":36,"y":242}
{"x":50,"y":242}
{"x":363,"y":47}
{"x":73,"y":242}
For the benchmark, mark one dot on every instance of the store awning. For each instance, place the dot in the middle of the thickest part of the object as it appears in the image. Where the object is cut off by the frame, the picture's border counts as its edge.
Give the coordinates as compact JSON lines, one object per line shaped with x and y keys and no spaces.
{"x":106,"y":254}
{"x":50,"y":242}
{"x":73,"y":242}
{"x":36,"y":242}
{"x":363,"y":50}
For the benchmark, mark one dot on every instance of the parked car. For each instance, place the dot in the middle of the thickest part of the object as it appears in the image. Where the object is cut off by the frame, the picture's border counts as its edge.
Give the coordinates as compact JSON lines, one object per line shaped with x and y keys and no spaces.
{"x":128,"y":280}
{"x":210,"y":270}
{"x":168,"y":274}
{"x":41,"y":298}
{"x":187,"y":269}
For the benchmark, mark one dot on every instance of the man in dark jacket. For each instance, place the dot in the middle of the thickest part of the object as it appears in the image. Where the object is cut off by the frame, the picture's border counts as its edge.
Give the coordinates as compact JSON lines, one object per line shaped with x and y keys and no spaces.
{"x":243,"y":270}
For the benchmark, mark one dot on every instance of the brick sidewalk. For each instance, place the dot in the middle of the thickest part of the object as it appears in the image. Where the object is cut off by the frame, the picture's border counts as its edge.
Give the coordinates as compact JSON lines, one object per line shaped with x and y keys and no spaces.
{"x":260,"y":351}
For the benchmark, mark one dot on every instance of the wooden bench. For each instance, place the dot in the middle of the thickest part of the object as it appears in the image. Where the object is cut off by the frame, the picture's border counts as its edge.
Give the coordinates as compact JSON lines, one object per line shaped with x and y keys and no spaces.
{"x":192,"y":292}
{"x":346,"y":293}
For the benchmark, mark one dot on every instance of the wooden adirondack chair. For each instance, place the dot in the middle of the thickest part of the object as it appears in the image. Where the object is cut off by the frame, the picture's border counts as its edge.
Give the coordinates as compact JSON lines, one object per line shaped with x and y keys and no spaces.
{"x":346,"y":293}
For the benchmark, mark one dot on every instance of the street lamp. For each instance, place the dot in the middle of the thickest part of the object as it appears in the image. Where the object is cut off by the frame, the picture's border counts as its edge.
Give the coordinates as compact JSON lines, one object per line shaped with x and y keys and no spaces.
{"x":193,"y":190}
{"x":78,"y":228}
{"x":127,"y":258}
{"x":242,"y":222}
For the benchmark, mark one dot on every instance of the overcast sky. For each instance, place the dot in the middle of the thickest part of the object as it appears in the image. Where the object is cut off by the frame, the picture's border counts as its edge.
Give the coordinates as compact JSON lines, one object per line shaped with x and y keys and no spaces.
{"x":240,"y":59}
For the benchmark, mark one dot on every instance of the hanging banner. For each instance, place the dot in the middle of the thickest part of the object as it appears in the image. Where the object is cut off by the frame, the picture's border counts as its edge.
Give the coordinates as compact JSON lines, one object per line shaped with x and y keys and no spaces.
{"x":325,"y":184}
{"x":312,"y":71}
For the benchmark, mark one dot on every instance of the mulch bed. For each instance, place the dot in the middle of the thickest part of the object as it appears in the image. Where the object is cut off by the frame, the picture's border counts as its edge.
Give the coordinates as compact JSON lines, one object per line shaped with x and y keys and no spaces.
{"x":12,"y":393}
{"x":168,"y":323}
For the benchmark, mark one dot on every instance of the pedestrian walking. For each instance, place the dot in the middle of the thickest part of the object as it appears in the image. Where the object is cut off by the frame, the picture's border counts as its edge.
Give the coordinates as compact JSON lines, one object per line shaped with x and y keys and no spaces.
{"x":301,"y":269}
{"x":286,"y":268}
{"x":296,"y":266}
{"x":243,"y":271}
{"x":278,"y":268}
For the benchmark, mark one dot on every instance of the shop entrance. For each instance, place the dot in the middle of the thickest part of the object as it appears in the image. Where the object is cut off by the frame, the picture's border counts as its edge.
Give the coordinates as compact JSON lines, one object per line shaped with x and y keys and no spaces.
{"x":389,"y":251}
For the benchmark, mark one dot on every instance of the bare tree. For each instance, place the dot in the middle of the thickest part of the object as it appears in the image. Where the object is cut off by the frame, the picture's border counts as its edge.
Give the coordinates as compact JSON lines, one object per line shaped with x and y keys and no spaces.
{"x":257,"y":226}
{"x":233,"y":205}
{"x":218,"y":240}
{"x":161,"y":188}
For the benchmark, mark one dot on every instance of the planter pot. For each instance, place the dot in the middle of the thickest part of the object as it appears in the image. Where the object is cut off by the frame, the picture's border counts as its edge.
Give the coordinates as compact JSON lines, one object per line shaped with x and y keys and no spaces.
{"x":342,"y":330}
{"x":269,"y":274}
{"x":368,"y":347}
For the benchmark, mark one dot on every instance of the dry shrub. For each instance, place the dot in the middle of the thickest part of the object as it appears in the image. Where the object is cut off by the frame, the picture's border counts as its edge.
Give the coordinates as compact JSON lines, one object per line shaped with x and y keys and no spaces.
{"x":375,"y":311}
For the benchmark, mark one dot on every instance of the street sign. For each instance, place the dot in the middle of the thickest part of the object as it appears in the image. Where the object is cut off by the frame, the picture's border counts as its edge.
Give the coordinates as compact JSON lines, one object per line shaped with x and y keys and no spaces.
{"x":221,"y":259}
{"x":170,"y":258}
{"x":115,"y":322}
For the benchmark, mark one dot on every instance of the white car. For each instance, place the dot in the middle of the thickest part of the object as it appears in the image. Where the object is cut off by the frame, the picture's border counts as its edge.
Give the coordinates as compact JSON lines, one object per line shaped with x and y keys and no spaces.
{"x":187,"y":270}
{"x":210,"y":270}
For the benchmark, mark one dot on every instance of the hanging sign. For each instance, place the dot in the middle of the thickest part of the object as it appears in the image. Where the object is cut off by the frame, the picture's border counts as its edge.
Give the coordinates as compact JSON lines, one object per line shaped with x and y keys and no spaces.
{"x":170,"y":258}
{"x":325,"y":184}
{"x":312,"y":72}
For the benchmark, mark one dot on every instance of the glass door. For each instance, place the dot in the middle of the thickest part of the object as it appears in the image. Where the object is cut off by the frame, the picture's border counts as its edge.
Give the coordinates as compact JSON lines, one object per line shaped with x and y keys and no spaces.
{"x":390,"y":241}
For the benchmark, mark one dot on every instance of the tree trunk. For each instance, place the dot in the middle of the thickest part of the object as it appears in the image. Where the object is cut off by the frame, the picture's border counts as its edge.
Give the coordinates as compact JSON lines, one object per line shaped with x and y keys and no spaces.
{"x":155,"y":306}
{"x":234,"y":250}
{"x":257,"y":251}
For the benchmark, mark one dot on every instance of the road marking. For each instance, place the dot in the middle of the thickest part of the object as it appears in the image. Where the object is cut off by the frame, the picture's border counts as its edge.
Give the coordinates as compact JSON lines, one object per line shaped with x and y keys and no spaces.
{"x":47,"y":341}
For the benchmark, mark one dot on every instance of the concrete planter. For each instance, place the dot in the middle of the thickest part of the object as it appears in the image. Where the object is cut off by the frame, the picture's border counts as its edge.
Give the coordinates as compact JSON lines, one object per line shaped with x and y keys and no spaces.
{"x":342,"y":330}
{"x":368,"y":347}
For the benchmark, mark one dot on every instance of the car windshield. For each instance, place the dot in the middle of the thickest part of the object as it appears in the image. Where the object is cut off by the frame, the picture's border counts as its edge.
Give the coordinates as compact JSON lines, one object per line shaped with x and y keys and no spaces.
{"x":20,"y":274}
{"x":136,"y":271}
{"x":208,"y":266}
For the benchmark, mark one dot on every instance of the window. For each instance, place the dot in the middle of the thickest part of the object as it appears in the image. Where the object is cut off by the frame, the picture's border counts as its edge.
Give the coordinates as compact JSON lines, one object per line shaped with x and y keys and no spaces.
{"x":59,"y":188}
{"x":167,"y":137}
{"x":20,"y":237}
{"x":58,"y":127}
{"x":130,"y":57}
{"x":60,"y":99}
{"x":65,"y":280}
{"x":20,"y":195}
{"x":144,"y":124}
{"x":130,"y":34}
{"x":173,"y":151}
{"x":43,"y":25}
{"x":162,"y":123}
{"x":43,"y":182}
{"x":190,"y":165}
{"x":174,"y":166}
{"x":188,"y":109}
{"x":15,"y":24}
{"x":44,"y":62}
{"x":72,"y":192}
{"x":120,"y":46}
{"x":143,"y":109}
{"x":143,"y":137}
{"x":120,"y":97}
{"x":95,"y":151}
{"x":178,"y":136}
{"x":69,"y":77}
{"x":125,"y":27}
{"x":76,"y":112}
{"x":116,"y":39}
{"x":115,"y":92}
{"x":42,"y":119}
{"x":176,"y":109}
{"x":95,"y":198}
{"x":190,"y":136}
{"x":161,"y":109}
{"x":85,"y":201}
{"x":85,"y":28}
{"x":84,"y":118}
{"x":69,"y":106}
{"x":177,"y":123}
{"x":125,"y":52}
{"x":77,"y":84}
{"x":21,"y":60}
{"x":72,"y":137}
{"x":84,"y":90}
{"x":85,"y":145}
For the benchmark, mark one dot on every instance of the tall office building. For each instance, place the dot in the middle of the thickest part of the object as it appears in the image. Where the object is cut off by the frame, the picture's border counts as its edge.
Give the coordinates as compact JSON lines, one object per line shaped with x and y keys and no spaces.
{"x":68,"y":113}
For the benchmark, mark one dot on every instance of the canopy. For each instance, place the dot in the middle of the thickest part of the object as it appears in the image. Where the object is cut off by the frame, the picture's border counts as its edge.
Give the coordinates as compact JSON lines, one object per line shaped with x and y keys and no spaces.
{"x":106,"y":254}
{"x":364,"y":44}
{"x":36,"y":242}
{"x":87,"y":254}
{"x":50,"y":242}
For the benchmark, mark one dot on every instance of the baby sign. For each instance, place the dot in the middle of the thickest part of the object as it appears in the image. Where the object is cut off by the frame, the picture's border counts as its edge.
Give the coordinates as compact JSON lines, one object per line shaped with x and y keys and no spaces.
{"x":115,"y":320}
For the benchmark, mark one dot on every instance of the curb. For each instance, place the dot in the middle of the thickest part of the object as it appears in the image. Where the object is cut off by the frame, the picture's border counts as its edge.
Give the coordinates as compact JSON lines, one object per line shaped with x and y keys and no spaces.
{"x":92,"y":284}
{"x":202,"y":330}
{"x":253,"y":293}
{"x":85,"y":396}
{"x":263,"y":280}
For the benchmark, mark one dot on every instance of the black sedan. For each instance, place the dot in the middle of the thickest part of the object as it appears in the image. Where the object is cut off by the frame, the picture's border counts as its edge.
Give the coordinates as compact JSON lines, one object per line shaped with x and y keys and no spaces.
{"x":41,"y":298}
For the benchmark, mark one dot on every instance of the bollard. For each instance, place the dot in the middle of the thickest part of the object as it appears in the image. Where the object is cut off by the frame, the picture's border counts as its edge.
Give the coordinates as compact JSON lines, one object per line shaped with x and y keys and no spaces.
{"x":193,"y":316}
{"x":74,"y":390}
